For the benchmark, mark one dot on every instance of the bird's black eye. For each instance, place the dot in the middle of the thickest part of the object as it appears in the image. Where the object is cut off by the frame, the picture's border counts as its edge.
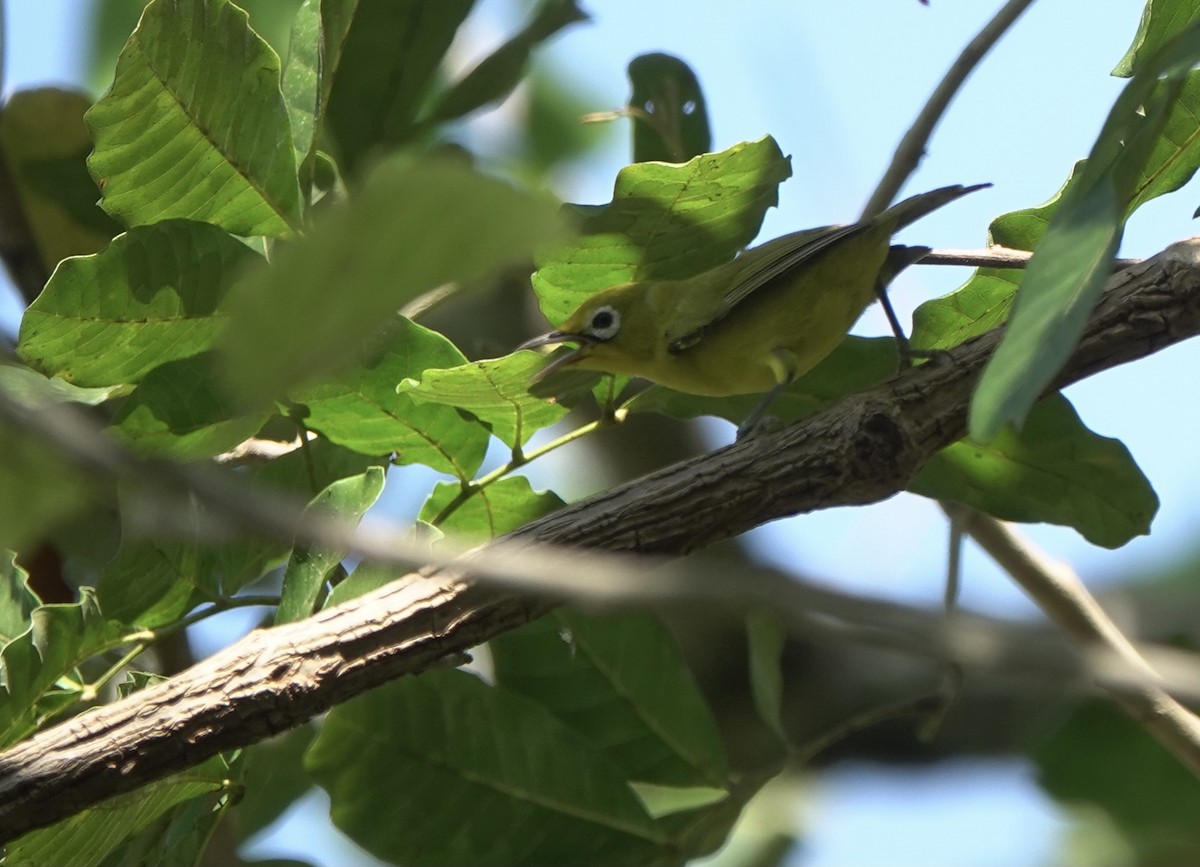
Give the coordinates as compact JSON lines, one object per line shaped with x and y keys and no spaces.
{"x":605,"y":323}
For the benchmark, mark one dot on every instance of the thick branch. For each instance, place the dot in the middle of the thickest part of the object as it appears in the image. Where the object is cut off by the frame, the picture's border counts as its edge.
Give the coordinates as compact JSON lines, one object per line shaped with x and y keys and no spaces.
{"x":861,"y":450}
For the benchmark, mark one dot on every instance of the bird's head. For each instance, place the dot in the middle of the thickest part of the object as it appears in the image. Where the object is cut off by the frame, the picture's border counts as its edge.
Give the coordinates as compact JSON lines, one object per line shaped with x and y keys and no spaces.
{"x":613,"y":330}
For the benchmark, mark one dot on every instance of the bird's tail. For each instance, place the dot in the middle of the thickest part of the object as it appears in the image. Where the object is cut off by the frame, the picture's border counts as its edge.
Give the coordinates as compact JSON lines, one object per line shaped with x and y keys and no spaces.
{"x":915,"y":207}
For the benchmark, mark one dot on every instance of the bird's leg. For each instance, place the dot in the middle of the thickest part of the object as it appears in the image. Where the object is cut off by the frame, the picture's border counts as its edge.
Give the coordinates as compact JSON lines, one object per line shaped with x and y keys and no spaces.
{"x":900,"y":257}
{"x":783,"y":365}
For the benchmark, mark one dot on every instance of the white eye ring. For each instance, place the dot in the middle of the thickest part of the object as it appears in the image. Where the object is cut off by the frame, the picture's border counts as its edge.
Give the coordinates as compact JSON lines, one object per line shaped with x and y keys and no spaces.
{"x":604,"y":323}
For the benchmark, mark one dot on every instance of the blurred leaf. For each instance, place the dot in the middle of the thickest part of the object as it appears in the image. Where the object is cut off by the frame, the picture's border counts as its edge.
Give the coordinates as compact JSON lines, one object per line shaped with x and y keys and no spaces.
{"x":30,"y":387}
{"x":1073,"y":261}
{"x":1055,"y":470}
{"x":152,"y":580}
{"x":153,"y":296}
{"x":274,"y":779}
{"x":1100,"y":756}
{"x":472,"y":774}
{"x":178,"y":411}
{"x":496,"y":391}
{"x":381,"y":58}
{"x":414,"y":225}
{"x":664,"y":222}
{"x":488,"y":512}
{"x":359,"y":408}
{"x":857,"y":364}
{"x":553,"y":133}
{"x":42,"y":485}
{"x":45,"y":146}
{"x":765,"y":637}
{"x":308,"y":569}
{"x":670,"y":116}
{"x":621,"y":682}
{"x":500,"y":72}
{"x":169,"y":140}
{"x":88,"y":838}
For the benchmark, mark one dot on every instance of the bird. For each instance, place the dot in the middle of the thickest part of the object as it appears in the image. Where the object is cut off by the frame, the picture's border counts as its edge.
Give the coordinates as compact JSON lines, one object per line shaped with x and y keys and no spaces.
{"x":753,"y":324}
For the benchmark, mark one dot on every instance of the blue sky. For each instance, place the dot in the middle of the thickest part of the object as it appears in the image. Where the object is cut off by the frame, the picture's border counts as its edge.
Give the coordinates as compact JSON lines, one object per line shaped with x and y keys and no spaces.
{"x":837,"y":84}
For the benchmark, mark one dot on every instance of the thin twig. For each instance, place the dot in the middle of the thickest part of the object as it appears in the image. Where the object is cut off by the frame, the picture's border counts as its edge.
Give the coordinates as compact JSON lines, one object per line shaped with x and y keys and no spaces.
{"x":912,"y":146}
{"x":1066,"y":601}
{"x":996,"y":257}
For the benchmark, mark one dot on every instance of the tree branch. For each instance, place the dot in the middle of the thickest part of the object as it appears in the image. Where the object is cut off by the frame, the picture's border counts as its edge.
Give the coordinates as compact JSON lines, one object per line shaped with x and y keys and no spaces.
{"x":861,"y":450}
{"x":1065,"y":600}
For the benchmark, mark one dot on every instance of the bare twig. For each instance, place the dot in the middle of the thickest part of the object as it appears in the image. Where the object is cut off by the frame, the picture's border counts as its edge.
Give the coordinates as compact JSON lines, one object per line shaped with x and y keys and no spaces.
{"x":1065,"y":600}
{"x":912,"y":147}
{"x":996,"y":257}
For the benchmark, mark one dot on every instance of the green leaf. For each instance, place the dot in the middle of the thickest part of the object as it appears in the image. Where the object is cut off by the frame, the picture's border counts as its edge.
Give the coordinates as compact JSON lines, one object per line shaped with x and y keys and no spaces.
{"x":500,"y":72}
{"x":670,"y":116}
{"x":366,"y":577}
{"x":621,"y":682}
{"x":984,"y":301}
{"x":488,"y":512}
{"x":17,"y":601}
{"x":381,"y":58}
{"x":178,"y":411}
{"x":45,"y":145}
{"x":414,"y":225}
{"x":87,"y":838}
{"x":664,"y":222}
{"x":59,"y":637}
{"x":857,"y":364}
{"x":308,"y":569}
{"x":495,"y":391}
{"x":30,"y":387}
{"x":360,"y":409}
{"x":301,"y":81}
{"x":172,"y":141}
{"x":1055,"y":470}
{"x":153,"y":296}
{"x":153,"y":582}
{"x":1175,"y":155}
{"x":1070,"y":266}
{"x":1162,"y":20}
{"x":274,"y":779}
{"x":1102,"y":757}
{"x":472,"y":774}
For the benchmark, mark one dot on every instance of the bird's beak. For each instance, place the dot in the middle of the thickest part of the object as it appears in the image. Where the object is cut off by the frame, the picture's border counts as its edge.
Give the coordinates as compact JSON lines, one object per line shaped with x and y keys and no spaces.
{"x":585,"y":342}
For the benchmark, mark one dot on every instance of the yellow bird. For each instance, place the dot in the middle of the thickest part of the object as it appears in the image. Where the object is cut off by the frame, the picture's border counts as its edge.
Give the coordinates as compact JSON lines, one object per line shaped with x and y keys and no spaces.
{"x":751,"y":325}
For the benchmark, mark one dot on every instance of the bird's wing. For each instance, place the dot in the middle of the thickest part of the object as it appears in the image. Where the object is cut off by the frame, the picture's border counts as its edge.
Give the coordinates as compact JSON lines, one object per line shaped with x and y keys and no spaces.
{"x":758,"y":268}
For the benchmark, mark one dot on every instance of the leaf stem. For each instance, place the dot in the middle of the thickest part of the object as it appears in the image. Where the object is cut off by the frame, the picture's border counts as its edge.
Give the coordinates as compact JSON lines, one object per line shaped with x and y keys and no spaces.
{"x":519,"y":459}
